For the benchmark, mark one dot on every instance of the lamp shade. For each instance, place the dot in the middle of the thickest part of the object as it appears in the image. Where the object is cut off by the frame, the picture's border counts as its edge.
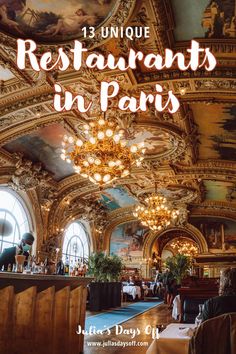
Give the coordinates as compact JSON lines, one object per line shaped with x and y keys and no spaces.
{"x":5,"y":228}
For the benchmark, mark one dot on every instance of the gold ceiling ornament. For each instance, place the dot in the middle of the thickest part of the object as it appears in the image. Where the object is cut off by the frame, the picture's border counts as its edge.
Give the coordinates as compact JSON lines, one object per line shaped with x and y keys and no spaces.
{"x":157,"y":213}
{"x":185,"y":247}
{"x":103,"y":155}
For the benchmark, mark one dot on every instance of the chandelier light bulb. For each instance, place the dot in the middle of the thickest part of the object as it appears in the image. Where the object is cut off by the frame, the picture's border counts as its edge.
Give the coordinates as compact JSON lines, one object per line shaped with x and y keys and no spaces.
{"x":91,"y":160}
{"x":133,"y":148}
{"x":92,"y":140}
{"x":97,"y":162}
{"x":106,"y":178}
{"x":116,"y":138}
{"x":111,"y":163}
{"x":71,"y":140}
{"x":97,"y":177}
{"x":79,"y":142}
{"x":101,"y":135}
{"x":101,"y":122}
{"x":109,"y":132}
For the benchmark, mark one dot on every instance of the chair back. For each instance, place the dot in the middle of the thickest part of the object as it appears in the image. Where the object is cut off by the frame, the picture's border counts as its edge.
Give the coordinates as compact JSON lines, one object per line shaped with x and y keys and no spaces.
{"x":215,"y":336}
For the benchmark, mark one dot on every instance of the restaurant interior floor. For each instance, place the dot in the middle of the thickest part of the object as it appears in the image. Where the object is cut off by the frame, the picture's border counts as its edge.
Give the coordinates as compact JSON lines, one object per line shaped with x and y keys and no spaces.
{"x":157,"y":315}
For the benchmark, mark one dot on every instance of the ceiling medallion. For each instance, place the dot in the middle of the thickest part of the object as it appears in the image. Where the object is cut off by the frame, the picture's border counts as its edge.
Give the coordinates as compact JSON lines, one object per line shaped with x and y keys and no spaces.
{"x":157,"y":213}
{"x":103,"y":155}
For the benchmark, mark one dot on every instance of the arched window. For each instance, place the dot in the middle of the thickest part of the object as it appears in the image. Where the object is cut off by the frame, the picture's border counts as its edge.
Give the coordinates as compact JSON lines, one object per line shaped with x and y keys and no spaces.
{"x":14,"y":219}
{"x":76,"y":244}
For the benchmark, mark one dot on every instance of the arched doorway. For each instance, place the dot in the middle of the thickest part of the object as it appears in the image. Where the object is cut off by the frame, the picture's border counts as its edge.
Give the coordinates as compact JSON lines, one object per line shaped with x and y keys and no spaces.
{"x":156,"y":243}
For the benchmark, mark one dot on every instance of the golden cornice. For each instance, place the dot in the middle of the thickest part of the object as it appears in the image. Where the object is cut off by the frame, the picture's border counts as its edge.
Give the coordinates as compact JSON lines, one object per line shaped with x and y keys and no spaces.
{"x":227,"y":213}
{"x":217,"y":205}
{"x":26,"y":98}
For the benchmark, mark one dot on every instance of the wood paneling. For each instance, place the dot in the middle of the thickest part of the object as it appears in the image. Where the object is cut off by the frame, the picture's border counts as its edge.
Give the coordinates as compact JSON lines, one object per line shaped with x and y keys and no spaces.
{"x":38,"y":322}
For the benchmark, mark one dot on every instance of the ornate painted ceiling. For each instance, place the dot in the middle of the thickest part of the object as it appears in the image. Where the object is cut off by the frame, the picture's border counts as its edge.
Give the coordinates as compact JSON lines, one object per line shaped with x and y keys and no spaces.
{"x":190,"y":154}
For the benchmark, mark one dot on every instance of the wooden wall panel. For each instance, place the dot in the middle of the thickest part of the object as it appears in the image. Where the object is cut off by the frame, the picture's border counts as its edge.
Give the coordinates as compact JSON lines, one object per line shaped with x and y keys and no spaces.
{"x":6,"y":319}
{"x":43,"y":320}
{"x":24,"y":320}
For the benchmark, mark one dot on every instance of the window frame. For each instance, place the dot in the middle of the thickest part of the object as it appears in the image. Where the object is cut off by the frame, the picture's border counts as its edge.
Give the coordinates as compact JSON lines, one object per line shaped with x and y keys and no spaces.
{"x":21,"y":202}
{"x":70,"y":256}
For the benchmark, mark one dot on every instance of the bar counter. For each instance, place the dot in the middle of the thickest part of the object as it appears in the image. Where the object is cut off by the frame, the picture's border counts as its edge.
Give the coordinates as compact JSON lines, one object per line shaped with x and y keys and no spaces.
{"x":40,"y":314}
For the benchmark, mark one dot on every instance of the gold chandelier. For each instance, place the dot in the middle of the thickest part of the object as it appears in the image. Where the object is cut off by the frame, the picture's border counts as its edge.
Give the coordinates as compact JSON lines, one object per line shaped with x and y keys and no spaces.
{"x":185,"y":247}
{"x":157,"y":214}
{"x":103,"y":155}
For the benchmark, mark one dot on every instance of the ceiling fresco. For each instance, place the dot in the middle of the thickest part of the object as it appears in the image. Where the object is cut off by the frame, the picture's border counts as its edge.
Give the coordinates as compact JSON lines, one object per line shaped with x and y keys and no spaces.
{"x":188,"y":17}
{"x":174,"y":193}
{"x":204,"y":18}
{"x":220,"y":190}
{"x":218,"y":142}
{"x":5,"y":74}
{"x":52,"y":20}
{"x":219,"y":19}
{"x":44,"y":146}
{"x":114,"y":198}
{"x":158,"y":143}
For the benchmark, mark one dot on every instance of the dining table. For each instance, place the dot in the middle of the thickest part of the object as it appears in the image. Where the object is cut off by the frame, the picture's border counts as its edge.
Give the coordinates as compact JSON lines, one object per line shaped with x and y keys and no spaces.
{"x":173,"y":340}
{"x":133,"y":291}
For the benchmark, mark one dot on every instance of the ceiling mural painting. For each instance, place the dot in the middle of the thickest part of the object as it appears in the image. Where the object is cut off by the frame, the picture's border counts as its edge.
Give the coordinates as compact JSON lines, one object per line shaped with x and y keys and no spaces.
{"x":44,"y":146}
{"x":52,"y":21}
{"x":174,"y":194}
{"x":219,"y":19}
{"x":127,"y":239}
{"x":220,"y":190}
{"x":188,"y":17}
{"x":159,"y":143}
{"x":219,"y":142}
{"x":204,"y":19}
{"x":5,"y":74}
{"x":114,"y":198}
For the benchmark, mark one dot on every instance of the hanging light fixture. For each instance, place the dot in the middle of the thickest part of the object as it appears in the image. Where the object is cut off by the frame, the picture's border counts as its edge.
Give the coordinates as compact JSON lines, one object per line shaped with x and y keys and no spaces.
{"x":157,"y":213}
{"x":185,"y":247}
{"x":103,"y":155}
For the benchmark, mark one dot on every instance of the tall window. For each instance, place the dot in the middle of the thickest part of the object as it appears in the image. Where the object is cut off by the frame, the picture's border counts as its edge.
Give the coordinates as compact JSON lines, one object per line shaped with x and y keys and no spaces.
{"x":14,"y":221}
{"x":76,"y":244}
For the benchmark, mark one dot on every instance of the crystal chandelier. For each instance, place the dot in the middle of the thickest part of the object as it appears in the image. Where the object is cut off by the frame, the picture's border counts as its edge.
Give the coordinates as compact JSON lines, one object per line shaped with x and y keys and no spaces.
{"x":185,"y":247}
{"x":157,"y":214}
{"x":103,"y":155}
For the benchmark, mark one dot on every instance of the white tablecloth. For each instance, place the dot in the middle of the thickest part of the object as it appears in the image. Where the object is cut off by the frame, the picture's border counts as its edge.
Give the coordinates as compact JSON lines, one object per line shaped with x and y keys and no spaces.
{"x":132,"y":290}
{"x":171,"y":341}
{"x":176,"y":308}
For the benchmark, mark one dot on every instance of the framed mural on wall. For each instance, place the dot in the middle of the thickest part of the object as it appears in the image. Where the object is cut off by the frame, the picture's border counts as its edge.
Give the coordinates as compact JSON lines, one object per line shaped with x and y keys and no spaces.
{"x":219,"y":233}
{"x":127,"y":240}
